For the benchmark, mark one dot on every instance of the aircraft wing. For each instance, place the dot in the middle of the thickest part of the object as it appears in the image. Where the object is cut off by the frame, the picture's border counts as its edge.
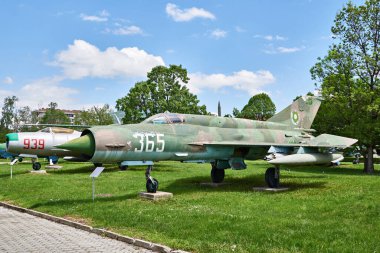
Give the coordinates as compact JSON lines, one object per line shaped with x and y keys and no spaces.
{"x":28,"y":156}
{"x":321,"y":141}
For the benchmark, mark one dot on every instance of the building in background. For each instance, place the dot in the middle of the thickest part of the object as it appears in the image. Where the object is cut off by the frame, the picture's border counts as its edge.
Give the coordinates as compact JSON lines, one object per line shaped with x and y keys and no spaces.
{"x":69,"y":113}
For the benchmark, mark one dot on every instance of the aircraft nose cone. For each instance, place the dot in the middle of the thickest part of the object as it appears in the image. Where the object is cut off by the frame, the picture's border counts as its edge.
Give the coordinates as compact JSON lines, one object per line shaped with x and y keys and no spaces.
{"x":84,"y":145}
{"x":10,"y":137}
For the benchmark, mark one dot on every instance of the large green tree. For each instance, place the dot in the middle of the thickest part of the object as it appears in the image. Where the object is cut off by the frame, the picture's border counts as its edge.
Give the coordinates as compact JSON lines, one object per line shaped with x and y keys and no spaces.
{"x":259,"y":107}
{"x":164,"y":90}
{"x":8,"y":116}
{"x":94,"y":116}
{"x":349,"y":77}
{"x":54,"y":115}
{"x":8,"y":112}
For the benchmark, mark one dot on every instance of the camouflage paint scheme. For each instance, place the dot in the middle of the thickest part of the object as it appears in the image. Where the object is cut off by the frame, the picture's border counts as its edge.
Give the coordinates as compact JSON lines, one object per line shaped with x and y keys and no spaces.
{"x":198,"y":138}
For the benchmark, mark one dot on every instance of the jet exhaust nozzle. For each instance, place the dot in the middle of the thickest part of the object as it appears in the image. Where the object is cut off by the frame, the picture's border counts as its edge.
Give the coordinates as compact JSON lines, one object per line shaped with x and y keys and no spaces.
{"x":84,"y":145}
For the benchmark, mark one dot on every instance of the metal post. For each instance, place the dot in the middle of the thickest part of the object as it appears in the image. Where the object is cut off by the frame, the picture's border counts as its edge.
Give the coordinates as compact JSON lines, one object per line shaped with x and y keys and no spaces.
{"x":12,"y":163}
{"x":93,"y":189}
{"x":93,"y":175}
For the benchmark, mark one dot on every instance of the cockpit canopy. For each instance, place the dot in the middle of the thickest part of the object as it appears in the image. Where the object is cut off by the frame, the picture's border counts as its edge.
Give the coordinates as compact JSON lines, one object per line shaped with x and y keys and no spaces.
{"x":57,"y":130}
{"x":165,"y":118}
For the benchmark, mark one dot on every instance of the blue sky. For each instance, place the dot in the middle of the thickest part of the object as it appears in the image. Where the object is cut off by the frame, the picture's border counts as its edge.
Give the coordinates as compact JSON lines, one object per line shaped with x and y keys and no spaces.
{"x":83,"y":53}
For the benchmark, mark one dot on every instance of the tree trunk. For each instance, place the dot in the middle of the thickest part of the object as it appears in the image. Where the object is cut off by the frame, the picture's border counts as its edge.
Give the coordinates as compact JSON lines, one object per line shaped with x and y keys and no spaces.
{"x":368,"y":160}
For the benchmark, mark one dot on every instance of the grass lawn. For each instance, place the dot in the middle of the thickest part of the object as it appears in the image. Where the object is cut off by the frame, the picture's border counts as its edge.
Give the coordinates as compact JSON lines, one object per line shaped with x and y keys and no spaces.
{"x":327,"y":209}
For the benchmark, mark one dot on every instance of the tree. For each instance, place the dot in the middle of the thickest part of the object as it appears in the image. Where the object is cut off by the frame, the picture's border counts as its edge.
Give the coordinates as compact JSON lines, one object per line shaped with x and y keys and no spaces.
{"x":8,"y":113}
{"x":259,"y":107}
{"x":349,"y":77}
{"x":311,"y":94}
{"x":94,"y":116}
{"x":24,"y":115}
{"x":54,"y":116}
{"x":164,"y":90}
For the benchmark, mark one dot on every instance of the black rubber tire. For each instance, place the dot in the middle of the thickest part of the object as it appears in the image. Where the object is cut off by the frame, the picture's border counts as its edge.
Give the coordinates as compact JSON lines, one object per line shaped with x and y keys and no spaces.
{"x":123,"y":167}
{"x":152,"y":187}
{"x":55,"y":161}
{"x":98,"y":164}
{"x":271,"y":181}
{"x":217,"y":175}
{"x":36,"y":166}
{"x":19,"y":159}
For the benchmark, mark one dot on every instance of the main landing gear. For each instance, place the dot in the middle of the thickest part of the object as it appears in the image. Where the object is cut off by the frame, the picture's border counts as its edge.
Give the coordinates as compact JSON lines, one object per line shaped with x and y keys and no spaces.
{"x":217,"y":175}
{"x":151,"y":183}
{"x":272,"y":177}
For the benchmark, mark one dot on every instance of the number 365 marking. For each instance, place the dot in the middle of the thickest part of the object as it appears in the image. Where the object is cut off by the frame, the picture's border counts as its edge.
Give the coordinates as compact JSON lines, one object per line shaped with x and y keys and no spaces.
{"x":148,"y":141}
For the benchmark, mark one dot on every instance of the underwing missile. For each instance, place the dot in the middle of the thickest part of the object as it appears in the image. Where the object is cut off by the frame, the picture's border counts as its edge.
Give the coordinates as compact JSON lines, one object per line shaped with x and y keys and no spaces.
{"x":306,"y":159}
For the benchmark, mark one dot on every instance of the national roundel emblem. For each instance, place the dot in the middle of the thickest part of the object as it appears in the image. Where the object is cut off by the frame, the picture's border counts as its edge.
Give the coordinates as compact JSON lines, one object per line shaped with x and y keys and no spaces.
{"x":295,"y":117}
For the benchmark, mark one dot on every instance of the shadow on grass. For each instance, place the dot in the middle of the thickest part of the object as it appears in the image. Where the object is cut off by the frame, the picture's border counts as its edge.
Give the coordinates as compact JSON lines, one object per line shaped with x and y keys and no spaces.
{"x":194,"y":184}
{"x":71,"y":202}
{"x":15,"y":172}
{"x":339,"y":170}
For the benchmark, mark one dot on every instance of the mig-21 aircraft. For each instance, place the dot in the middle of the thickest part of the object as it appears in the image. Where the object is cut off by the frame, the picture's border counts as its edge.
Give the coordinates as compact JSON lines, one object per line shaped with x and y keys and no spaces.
{"x":223,"y":142}
{"x":41,"y":144}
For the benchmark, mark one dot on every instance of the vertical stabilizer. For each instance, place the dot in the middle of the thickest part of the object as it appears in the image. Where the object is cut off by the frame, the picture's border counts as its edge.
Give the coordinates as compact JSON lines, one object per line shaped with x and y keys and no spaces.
{"x":300,"y":114}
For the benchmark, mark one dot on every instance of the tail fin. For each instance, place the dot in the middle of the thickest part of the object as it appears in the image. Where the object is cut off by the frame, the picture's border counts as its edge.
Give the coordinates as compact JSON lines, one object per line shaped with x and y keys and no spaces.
{"x":300,"y":114}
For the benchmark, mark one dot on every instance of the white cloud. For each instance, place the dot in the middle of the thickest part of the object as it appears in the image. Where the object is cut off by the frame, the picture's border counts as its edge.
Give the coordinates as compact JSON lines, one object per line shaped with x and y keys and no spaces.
{"x":217,"y":34}
{"x":126,"y":30}
{"x":45,"y":90}
{"x":8,"y":80}
{"x":270,"y":37}
{"x":83,"y":59}
{"x":244,"y":80}
{"x":99,"y":88}
{"x":102,"y":17}
{"x":288,"y":49}
{"x":187,"y":14}
{"x":239,"y":29}
{"x":282,"y":50}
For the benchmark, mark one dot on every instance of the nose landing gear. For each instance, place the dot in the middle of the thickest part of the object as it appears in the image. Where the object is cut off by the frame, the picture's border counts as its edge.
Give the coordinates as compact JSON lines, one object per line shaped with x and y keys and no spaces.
{"x":151,"y":183}
{"x":35,"y":165}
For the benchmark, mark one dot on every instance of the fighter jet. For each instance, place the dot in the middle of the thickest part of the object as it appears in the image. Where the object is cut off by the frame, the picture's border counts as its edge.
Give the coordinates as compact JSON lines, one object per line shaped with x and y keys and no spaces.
{"x":223,"y":142}
{"x":41,"y":144}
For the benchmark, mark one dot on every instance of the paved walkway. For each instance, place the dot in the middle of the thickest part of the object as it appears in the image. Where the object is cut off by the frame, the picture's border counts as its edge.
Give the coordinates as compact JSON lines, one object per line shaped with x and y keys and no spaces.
{"x":21,"y":232}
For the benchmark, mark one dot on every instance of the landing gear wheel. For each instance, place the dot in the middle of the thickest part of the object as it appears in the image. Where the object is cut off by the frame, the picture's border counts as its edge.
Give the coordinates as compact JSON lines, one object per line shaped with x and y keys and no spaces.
{"x":151,"y":185}
{"x":19,"y":159}
{"x":98,"y":164}
{"x":271,"y":179}
{"x":217,"y":175}
{"x":36,"y":166}
{"x":123,"y":167}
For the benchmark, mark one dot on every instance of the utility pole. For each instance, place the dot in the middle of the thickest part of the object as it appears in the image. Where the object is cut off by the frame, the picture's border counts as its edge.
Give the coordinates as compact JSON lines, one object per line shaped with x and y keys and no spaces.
{"x":219,"y":109}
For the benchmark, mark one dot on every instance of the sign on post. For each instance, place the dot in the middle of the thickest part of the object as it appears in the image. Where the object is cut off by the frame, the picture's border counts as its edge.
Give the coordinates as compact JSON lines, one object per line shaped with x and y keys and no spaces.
{"x":94,"y":175}
{"x":13,"y":163}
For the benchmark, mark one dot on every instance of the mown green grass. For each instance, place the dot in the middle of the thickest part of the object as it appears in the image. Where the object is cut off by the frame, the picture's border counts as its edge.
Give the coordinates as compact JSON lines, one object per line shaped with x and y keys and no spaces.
{"x":327,"y":209}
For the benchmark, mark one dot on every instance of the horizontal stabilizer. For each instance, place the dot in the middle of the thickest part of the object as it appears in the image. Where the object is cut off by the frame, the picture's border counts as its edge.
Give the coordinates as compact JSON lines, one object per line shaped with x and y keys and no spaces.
{"x":328,"y":140}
